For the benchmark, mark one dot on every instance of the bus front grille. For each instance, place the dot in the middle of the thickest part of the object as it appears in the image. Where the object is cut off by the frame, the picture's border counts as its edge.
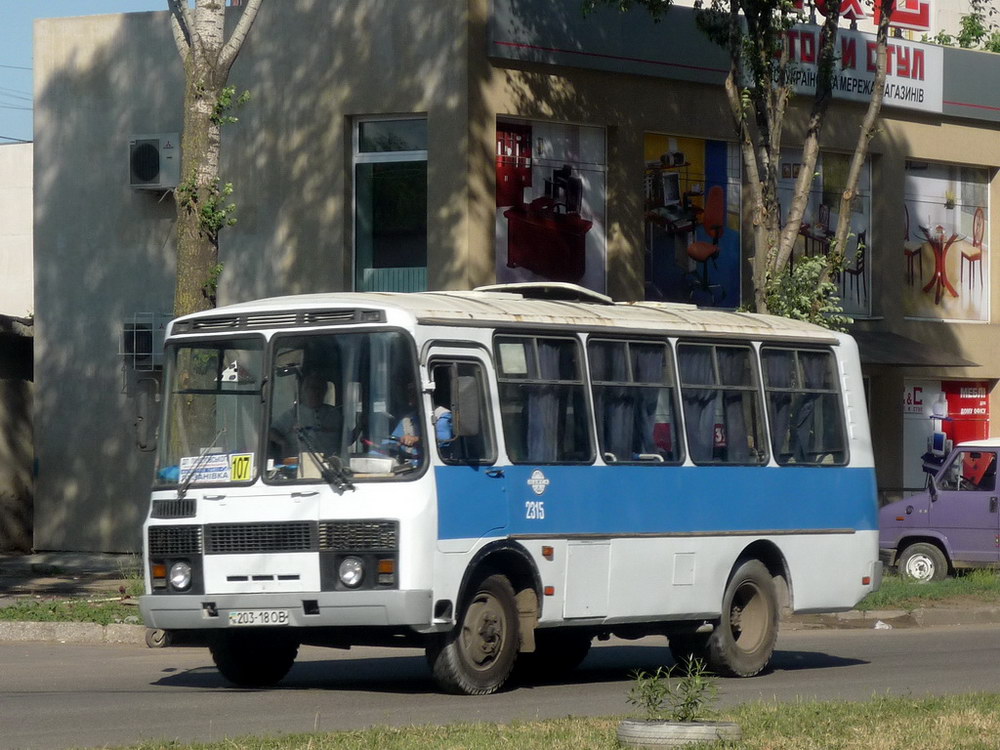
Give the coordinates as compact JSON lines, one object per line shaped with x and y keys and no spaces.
{"x":358,"y":536}
{"x":170,"y":541}
{"x":239,"y":538}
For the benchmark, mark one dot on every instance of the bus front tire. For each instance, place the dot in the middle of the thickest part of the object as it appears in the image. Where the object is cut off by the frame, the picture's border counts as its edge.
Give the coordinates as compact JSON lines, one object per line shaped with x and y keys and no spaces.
{"x":476,"y":657}
{"x":922,"y":563}
{"x":253,"y":659}
{"x":742,"y":643}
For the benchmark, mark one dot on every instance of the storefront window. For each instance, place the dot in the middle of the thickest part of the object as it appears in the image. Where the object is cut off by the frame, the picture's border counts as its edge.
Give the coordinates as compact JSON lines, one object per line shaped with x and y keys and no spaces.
{"x":390,"y":205}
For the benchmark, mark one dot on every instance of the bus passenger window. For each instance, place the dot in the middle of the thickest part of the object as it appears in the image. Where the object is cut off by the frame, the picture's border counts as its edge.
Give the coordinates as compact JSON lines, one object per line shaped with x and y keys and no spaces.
{"x":722,"y":416}
{"x":543,"y":406}
{"x":804,"y":406}
{"x":634,"y":401}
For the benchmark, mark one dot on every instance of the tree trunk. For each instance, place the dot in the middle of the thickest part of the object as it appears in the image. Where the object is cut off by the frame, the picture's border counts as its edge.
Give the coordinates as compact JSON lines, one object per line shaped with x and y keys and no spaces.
{"x":199,"y":34}
{"x":197,"y":245}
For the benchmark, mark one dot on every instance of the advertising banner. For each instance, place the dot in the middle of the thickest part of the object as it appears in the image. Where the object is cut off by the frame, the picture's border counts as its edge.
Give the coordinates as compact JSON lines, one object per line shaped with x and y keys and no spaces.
{"x":913,"y":69}
{"x":946,"y":242}
{"x":692,"y":220}
{"x":550,"y":200}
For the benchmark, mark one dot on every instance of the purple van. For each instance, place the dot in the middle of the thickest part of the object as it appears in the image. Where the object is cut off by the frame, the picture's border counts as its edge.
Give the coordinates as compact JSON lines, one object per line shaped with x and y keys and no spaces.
{"x":953,"y":524}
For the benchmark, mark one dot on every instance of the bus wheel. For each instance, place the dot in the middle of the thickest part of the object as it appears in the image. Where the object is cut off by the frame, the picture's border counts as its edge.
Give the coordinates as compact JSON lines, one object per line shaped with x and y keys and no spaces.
{"x":253,"y":659}
{"x":922,"y":563}
{"x":742,"y":644}
{"x":477,"y":656}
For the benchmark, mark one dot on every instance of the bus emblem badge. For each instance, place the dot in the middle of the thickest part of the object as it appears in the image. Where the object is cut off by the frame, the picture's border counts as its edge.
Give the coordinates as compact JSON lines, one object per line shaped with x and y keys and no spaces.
{"x":538,"y":482}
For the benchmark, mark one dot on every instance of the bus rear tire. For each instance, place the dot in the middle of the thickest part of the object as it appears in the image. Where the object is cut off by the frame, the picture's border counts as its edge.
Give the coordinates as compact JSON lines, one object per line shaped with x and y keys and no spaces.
{"x":476,"y":657}
{"x":253,"y":659}
{"x":743,"y":642}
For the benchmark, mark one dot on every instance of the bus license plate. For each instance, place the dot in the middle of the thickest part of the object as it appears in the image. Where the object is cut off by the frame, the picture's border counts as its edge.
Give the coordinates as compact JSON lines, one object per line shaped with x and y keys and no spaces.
{"x":259,"y":617}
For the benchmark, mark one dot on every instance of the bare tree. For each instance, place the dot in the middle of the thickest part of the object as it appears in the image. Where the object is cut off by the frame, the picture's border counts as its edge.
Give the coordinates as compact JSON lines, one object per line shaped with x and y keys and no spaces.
{"x":202,"y":211}
{"x":758,"y":89}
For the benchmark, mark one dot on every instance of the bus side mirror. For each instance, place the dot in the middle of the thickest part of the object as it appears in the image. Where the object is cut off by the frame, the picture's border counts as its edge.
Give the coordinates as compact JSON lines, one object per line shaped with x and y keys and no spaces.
{"x":465,"y":415}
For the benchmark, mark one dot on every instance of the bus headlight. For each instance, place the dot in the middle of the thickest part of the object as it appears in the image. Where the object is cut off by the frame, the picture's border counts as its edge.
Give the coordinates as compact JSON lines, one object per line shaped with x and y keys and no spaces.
{"x":180,"y":576}
{"x":351,"y":571}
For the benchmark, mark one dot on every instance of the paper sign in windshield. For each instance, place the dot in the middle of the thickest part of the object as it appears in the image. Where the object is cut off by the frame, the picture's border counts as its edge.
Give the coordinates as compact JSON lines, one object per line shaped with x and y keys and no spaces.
{"x":210,"y":468}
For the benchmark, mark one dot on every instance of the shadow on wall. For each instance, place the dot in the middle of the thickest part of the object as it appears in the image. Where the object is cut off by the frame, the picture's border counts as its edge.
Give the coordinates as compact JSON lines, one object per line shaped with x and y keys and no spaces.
{"x":107,"y":252}
{"x":16,"y":443}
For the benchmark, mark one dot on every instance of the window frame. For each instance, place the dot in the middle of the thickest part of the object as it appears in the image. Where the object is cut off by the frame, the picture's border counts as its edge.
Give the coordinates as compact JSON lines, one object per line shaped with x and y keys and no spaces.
{"x":359,"y":157}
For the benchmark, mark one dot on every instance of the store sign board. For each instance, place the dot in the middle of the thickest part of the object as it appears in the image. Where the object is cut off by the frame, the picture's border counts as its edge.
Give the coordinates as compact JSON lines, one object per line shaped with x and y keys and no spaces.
{"x":914,"y":71}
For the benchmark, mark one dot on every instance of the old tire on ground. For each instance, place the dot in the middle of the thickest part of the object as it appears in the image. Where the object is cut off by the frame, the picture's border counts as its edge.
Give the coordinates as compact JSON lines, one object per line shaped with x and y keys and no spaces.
{"x":922,"y":563}
{"x":742,"y":643}
{"x":638,"y":733}
{"x":258,"y":659}
{"x":557,"y":653}
{"x":476,"y":657}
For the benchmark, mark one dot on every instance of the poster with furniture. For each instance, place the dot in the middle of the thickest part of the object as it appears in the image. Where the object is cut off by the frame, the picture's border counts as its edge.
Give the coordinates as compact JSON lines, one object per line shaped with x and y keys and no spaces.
{"x":692,"y":220}
{"x":819,"y":222}
{"x":550,"y":198}
{"x":944,"y":254}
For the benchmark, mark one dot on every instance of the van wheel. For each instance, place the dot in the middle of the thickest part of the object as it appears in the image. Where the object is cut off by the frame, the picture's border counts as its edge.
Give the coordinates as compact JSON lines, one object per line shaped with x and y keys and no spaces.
{"x":742,"y":643}
{"x":922,"y":563}
{"x":476,"y":657}
{"x":253,"y":659}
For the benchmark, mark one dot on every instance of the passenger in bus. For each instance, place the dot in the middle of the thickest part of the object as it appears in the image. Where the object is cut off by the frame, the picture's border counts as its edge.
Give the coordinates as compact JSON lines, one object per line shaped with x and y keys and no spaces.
{"x":321,"y":423}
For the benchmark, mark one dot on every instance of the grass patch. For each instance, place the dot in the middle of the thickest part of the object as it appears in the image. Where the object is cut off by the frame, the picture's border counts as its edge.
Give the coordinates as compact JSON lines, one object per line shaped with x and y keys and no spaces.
{"x":982,"y":586}
{"x":71,"y":610}
{"x":963,"y":722}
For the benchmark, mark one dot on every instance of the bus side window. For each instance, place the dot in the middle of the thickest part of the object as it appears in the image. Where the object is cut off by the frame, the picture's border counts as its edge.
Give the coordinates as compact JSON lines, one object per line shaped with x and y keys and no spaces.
{"x":634,"y":402}
{"x":543,"y":404}
{"x":722,"y":415}
{"x":803,"y":402}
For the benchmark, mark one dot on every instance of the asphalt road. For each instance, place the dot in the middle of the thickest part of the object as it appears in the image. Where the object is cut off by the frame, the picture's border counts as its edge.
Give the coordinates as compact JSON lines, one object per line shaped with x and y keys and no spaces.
{"x":55,"y":696}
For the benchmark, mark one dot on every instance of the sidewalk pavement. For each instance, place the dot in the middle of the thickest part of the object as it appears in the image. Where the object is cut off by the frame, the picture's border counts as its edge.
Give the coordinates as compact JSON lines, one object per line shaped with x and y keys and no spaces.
{"x":66,"y":575}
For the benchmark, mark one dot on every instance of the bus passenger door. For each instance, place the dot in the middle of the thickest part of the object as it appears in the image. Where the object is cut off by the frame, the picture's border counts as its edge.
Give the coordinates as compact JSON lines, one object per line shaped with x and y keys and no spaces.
{"x":471,"y":495}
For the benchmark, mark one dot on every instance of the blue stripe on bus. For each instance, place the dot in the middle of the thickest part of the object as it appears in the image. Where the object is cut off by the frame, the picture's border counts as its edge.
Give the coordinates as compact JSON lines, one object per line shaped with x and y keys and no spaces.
{"x":652,"y":499}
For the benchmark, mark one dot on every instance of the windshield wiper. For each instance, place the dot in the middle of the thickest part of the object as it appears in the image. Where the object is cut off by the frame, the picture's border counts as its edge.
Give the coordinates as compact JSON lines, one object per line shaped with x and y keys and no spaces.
{"x":331,"y":469}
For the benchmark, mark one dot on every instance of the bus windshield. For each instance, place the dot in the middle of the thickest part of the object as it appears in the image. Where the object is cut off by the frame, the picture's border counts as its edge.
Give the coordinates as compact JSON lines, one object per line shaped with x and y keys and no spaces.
{"x":212,"y":412}
{"x":343,"y":401}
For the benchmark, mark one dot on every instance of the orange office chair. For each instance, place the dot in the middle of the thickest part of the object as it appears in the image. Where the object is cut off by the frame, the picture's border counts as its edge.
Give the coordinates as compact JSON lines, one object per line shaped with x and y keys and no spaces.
{"x":976,"y":254}
{"x":713,"y":219}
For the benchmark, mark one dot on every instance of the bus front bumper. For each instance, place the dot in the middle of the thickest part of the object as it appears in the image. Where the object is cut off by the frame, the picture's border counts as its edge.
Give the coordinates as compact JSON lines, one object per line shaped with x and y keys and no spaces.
{"x":304,"y":610}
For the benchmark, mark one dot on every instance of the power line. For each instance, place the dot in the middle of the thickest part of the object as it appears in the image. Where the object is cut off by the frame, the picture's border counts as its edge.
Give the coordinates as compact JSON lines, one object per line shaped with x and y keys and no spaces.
{"x":14,"y":67}
{"x":11,"y":138}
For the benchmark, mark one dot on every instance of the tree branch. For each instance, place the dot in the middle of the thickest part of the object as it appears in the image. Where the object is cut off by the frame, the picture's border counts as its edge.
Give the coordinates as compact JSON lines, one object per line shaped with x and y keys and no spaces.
{"x":227,"y":56}
{"x":180,"y":25}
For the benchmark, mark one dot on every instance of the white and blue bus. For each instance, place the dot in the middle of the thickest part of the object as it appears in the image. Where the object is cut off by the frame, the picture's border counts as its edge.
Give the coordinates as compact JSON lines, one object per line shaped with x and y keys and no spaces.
{"x":501,"y":476}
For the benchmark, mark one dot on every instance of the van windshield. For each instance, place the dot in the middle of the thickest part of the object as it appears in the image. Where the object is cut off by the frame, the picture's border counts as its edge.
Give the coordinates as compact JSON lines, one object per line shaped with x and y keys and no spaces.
{"x":344,"y":401}
{"x":212,"y":412}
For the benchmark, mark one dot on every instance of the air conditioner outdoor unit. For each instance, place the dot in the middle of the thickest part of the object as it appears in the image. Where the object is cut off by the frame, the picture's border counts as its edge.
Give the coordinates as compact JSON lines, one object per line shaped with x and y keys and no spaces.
{"x":154,"y":161}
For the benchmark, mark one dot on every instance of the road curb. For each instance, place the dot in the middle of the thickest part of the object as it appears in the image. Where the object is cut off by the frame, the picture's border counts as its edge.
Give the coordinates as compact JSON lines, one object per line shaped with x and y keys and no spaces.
{"x":73,"y":632}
